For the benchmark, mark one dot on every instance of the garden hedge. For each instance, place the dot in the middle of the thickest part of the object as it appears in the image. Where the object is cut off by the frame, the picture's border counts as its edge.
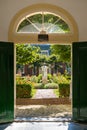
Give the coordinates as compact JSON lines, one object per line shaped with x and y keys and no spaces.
{"x":23,"y":90}
{"x":64,"y":90}
{"x":45,"y":86}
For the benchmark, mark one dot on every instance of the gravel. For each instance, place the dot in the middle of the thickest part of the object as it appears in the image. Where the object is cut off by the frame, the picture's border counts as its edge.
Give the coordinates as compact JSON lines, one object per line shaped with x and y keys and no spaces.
{"x":44,"y":111}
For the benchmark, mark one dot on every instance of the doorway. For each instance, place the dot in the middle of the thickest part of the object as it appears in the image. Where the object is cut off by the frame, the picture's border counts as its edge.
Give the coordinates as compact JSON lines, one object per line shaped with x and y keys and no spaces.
{"x":48,"y":103}
{"x":58,"y":14}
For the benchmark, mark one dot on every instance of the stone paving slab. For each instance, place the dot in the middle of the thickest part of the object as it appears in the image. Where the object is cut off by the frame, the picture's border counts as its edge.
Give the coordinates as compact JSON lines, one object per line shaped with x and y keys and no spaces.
{"x":45,"y":93}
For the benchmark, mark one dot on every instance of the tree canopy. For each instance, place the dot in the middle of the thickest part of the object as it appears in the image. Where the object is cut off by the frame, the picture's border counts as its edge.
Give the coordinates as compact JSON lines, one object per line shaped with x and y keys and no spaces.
{"x":63,"y":51}
{"x":28,"y":54}
{"x":25,"y":53}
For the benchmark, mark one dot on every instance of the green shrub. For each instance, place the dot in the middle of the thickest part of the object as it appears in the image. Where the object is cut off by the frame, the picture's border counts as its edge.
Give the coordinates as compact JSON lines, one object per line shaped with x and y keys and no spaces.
{"x":23,"y":87}
{"x":55,"y":79}
{"x":49,"y":78}
{"x":64,"y":86}
{"x":64,"y":90}
{"x":23,"y":90}
{"x":46,"y":86}
{"x":62,"y":79}
{"x":34,"y":79}
{"x":51,"y":86}
{"x":33,"y":92}
{"x":56,"y":92}
{"x":38,"y":85}
{"x":39,"y":78}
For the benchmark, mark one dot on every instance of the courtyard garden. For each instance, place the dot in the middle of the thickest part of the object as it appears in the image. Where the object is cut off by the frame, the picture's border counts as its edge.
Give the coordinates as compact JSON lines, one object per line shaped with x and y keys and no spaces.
{"x":42,"y":67}
{"x":53,"y":107}
{"x":27,"y":86}
{"x":43,"y":81}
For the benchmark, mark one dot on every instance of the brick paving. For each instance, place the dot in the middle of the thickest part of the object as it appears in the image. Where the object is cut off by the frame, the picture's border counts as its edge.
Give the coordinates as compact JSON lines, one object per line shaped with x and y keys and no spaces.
{"x":44,"y":93}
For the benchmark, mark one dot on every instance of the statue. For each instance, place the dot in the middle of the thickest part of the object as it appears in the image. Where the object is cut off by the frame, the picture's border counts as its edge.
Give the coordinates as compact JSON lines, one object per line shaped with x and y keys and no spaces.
{"x":44,"y":73}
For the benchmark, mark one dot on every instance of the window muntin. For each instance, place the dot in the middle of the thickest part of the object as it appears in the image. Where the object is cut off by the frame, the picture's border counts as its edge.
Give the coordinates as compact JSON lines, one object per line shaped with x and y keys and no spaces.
{"x":43,"y":22}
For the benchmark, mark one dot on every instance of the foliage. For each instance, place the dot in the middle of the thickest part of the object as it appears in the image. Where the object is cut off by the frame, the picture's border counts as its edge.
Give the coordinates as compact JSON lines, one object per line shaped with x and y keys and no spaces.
{"x":56,"y":92}
{"x":39,"y":78}
{"x":49,"y":77}
{"x":24,"y":88}
{"x":24,"y":91}
{"x":45,"y":86}
{"x":51,"y":86}
{"x":38,"y":86}
{"x":25,"y":53}
{"x":34,"y":79}
{"x":64,"y":86}
{"x":53,"y":58}
{"x":64,"y":52}
{"x":55,"y":79}
{"x":62,"y":79}
{"x":33,"y":92}
{"x":40,"y":59}
{"x":64,"y":90}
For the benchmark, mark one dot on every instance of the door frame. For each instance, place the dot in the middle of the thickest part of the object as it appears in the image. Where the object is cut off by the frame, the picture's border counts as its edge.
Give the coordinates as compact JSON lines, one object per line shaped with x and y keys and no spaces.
{"x":13,"y":36}
{"x":15,"y":77}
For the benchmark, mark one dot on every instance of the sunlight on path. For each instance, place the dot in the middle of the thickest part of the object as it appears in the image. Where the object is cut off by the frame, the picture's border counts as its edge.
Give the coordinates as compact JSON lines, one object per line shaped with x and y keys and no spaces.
{"x":44,"y":93}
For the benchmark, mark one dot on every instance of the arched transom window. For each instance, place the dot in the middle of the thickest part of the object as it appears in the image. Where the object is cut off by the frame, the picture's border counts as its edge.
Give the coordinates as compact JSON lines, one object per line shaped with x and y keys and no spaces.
{"x":32,"y":23}
{"x":43,"y":22}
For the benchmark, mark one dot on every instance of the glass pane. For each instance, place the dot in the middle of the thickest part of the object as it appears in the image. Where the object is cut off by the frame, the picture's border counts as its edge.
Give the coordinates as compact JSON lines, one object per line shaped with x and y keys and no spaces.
{"x":43,"y":21}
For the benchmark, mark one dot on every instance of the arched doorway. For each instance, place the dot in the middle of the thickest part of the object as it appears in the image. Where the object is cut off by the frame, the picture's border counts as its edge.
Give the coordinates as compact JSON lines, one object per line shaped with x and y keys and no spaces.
{"x":17,"y":37}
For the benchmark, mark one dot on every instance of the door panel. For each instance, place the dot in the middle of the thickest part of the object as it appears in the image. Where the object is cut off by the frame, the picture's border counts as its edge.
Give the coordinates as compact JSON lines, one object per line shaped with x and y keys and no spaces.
{"x":6,"y":82}
{"x":79,"y":79}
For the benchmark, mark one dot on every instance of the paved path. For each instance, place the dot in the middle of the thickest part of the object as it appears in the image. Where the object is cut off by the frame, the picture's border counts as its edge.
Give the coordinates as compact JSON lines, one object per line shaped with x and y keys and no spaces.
{"x":45,"y":93}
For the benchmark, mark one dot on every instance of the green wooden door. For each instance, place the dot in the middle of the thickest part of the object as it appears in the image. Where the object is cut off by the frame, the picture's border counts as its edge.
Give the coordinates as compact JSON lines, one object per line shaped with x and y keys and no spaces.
{"x":79,"y":81}
{"x":6,"y":82}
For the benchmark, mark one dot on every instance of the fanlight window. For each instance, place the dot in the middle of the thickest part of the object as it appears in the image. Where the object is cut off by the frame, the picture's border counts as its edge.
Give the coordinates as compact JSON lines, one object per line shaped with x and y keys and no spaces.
{"x":43,"y":22}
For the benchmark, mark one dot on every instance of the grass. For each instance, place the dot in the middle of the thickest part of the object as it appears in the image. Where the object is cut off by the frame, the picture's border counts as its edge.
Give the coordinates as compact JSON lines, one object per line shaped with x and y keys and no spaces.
{"x":33,"y":92}
{"x":56,"y":91}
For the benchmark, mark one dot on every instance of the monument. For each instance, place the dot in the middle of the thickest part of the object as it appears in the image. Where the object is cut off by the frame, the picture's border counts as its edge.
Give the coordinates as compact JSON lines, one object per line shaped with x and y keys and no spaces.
{"x":44,"y":74}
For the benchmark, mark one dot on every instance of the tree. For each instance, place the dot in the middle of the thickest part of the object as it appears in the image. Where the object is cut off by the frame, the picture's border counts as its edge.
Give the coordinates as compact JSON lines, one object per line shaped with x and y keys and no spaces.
{"x":25,"y":53}
{"x":53,"y":58}
{"x":64,"y":52}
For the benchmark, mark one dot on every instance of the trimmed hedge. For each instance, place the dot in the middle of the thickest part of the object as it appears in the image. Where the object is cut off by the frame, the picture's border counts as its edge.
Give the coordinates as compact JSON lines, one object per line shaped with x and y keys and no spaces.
{"x":46,"y":86}
{"x":23,"y":87}
{"x":64,"y":90}
{"x":51,"y":86}
{"x":23,"y":90}
{"x":64,"y":86}
{"x":38,"y":85}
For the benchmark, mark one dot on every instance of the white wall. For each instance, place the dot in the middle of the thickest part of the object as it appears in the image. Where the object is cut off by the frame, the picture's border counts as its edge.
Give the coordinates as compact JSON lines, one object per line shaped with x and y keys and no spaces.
{"x":77,"y":8}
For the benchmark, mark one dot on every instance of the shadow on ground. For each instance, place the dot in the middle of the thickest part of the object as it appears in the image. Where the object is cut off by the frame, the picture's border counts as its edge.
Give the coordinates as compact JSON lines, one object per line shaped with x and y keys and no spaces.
{"x":44,"y":111}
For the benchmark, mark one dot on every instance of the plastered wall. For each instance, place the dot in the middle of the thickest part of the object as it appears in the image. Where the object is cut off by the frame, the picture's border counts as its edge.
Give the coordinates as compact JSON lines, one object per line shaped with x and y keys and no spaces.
{"x":77,"y":8}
